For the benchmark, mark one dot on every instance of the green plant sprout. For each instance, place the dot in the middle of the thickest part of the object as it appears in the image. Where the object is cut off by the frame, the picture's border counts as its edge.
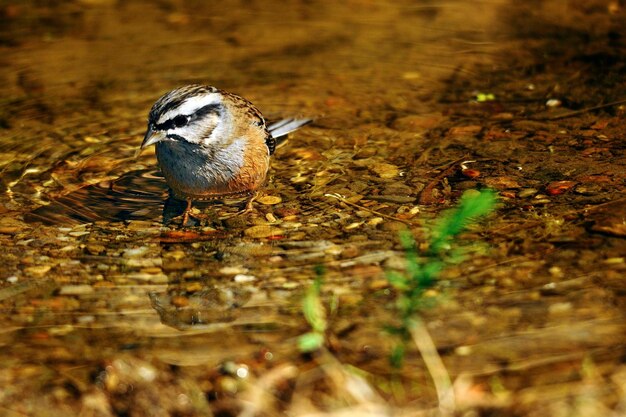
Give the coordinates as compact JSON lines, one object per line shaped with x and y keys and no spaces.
{"x":422,"y":271}
{"x":315,"y":314}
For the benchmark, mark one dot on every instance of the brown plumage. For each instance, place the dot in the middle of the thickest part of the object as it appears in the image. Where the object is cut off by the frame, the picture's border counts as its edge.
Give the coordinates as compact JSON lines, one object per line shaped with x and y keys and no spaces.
{"x":212,"y":144}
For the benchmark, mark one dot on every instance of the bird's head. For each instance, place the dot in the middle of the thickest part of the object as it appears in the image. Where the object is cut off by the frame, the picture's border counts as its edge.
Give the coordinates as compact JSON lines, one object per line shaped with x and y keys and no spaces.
{"x":192,"y":114}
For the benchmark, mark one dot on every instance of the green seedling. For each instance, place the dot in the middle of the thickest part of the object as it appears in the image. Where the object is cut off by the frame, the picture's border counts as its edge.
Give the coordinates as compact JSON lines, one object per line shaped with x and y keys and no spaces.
{"x":315,"y":314}
{"x":424,"y":268}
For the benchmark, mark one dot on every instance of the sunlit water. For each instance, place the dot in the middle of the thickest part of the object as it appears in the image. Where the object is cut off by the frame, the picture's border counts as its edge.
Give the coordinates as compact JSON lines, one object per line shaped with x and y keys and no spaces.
{"x":94,"y":267}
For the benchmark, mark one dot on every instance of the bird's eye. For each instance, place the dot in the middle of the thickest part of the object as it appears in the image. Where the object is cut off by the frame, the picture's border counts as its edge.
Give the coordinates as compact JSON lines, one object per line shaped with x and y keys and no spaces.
{"x":180,"y":120}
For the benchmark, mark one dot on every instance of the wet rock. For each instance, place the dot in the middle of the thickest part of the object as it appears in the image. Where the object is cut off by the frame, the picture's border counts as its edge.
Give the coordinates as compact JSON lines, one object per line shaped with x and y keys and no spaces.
{"x":527,"y":192}
{"x":588,"y":189}
{"x":502,"y":183}
{"x":393,"y":226}
{"x":76,"y":289}
{"x":417,"y":123}
{"x":385,"y":170}
{"x":37,"y":271}
{"x":269,"y":200}
{"x":95,"y":248}
{"x":464,"y":131}
{"x":263,"y":231}
{"x":156,"y":279}
{"x":559,"y":187}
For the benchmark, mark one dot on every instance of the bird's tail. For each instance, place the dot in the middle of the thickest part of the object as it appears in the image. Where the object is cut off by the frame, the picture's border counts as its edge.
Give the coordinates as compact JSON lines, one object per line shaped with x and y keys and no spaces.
{"x":280,"y":129}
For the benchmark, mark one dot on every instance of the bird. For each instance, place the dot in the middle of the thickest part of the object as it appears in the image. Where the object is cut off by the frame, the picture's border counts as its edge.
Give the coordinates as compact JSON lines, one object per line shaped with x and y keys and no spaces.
{"x":211,"y":144}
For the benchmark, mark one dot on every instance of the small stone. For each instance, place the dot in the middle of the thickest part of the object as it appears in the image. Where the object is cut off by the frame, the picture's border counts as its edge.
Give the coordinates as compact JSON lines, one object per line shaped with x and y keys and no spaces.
{"x":471,"y":173}
{"x":136,"y":252}
{"x":95,"y":248}
{"x":244,"y":278}
{"x":76,"y":289}
{"x":375,"y":221}
{"x":9,"y":230}
{"x":527,"y":192}
{"x":37,"y":271}
{"x":463,"y":350}
{"x":501,"y":183}
{"x":233,"y":270}
{"x":154,"y":278}
{"x":560,"y":308}
{"x":559,"y":187}
{"x":393,"y":226}
{"x":417,"y":123}
{"x":269,"y":200}
{"x":385,"y":170}
{"x":262,"y":231}
{"x":378,"y":284}
{"x":180,"y":301}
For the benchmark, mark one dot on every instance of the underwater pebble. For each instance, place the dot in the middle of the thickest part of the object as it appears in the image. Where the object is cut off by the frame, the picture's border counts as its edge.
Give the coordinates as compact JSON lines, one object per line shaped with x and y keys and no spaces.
{"x":144,"y":262}
{"x":560,"y":308}
{"x":261,"y":231}
{"x":291,"y":225}
{"x":135,"y":252}
{"x":37,"y":271}
{"x":76,"y":289}
{"x":233,"y":270}
{"x":375,"y":221}
{"x":244,"y":278}
{"x":79,"y":233}
{"x":378,"y":284}
{"x":385,"y":170}
{"x":95,"y":249}
{"x":9,"y":230}
{"x":527,"y":192}
{"x":559,"y":187}
{"x":269,"y":200}
{"x":393,"y":226}
{"x":154,"y":278}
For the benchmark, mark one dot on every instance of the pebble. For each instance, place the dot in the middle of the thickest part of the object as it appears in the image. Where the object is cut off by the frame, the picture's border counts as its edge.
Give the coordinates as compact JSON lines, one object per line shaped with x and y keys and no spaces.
{"x":244,"y":278}
{"x":154,"y":278}
{"x":261,"y":231}
{"x":37,"y":271}
{"x":560,"y":308}
{"x":144,"y":262}
{"x":559,"y":187}
{"x":393,"y":226}
{"x":95,"y":248}
{"x":233,"y":270}
{"x":136,"y":252}
{"x":375,"y":221}
{"x":385,"y":170}
{"x":76,"y":289}
{"x":269,"y":200}
{"x":9,"y":230}
{"x":527,"y":192}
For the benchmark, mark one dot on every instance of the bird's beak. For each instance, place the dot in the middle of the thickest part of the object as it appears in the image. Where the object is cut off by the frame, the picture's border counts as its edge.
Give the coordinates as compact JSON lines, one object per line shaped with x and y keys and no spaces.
{"x":151,"y":137}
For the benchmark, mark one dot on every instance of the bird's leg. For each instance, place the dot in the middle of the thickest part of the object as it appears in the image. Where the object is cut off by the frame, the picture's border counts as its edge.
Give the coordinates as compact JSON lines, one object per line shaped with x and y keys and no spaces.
{"x":248,"y":207}
{"x":186,"y":212}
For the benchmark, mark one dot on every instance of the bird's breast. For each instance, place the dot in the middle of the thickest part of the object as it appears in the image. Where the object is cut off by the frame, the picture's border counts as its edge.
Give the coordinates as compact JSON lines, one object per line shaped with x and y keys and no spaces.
{"x":198,"y":172}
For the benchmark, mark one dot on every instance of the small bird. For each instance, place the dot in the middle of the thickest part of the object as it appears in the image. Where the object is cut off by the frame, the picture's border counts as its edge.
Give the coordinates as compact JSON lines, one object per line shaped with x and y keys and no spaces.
{"x":212,"y":144}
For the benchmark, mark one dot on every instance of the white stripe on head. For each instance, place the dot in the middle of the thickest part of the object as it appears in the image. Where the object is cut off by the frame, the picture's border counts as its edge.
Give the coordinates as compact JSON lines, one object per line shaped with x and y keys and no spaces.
{"x":190,"y":105}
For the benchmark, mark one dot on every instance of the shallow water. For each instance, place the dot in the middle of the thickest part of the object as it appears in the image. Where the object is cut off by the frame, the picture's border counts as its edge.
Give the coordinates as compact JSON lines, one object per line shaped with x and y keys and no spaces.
{"x":95,"y":270}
